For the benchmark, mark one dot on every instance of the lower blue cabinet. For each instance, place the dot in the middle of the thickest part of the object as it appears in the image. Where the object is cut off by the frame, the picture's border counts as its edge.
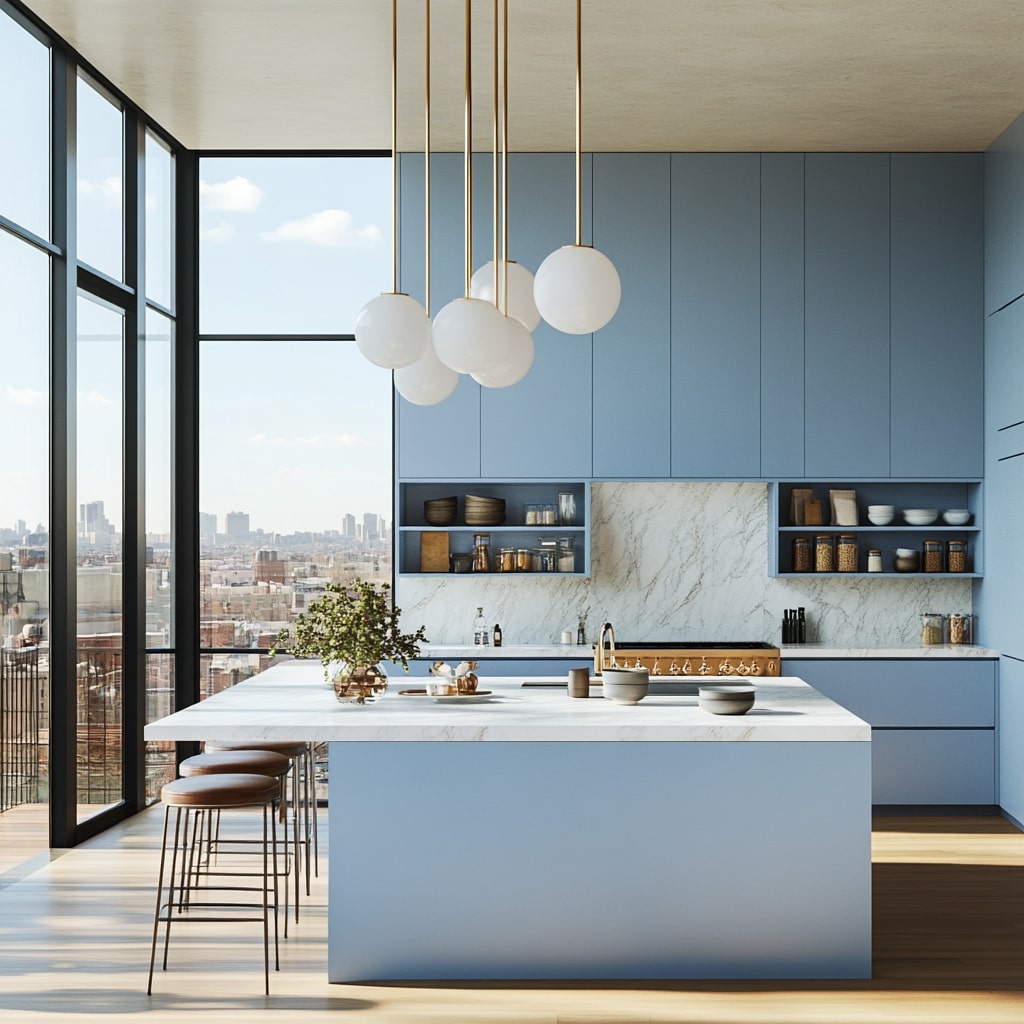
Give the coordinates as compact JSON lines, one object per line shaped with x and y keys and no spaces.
{"x":932,"y":721}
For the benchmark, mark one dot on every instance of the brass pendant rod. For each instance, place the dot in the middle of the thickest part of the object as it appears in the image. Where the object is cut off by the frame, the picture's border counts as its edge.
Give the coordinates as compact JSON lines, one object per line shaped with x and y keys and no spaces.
{"x":504,"y":158}
{"x":426,"y":161}
{"x":579,"y":123}
{"x":494,"y":158}
{"x":468,"y":166}
{"x":394,"y":146}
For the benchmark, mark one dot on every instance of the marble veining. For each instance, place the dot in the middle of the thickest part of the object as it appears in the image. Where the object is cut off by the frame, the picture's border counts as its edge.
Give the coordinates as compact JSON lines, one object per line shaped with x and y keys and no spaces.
{"x":685,"y":562}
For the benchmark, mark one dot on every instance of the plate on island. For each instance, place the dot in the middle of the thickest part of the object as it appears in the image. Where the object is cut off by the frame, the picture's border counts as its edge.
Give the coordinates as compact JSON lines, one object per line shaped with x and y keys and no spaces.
{"x":480,"y":697}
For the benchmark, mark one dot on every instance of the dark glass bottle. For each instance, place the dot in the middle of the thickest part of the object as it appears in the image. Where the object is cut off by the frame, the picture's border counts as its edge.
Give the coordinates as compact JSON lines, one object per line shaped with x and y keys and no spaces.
{"x":801,"y":627}
{"x":496,"y":635}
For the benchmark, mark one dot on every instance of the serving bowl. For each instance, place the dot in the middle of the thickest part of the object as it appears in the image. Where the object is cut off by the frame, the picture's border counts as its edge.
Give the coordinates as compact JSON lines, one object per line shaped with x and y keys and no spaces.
{"x":736,"y":699}
{"x":881,"y":518}
{"x":957,"y":516}
{"x":920,"y":516}
{"x":625,"y":685}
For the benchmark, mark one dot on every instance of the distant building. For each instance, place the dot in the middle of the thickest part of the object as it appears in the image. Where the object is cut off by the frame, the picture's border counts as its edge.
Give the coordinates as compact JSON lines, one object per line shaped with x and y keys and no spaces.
{"x":236,"y":526}
{"x":370,"y":528}
{"x":93,"y":525}
{"x":269,"y":568}
{"x":207,"y":528}
{"x":348,"y":526}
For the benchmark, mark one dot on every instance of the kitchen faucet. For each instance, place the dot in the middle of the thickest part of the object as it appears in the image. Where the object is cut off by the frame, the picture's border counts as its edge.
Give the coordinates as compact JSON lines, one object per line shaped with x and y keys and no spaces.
{"x":609,"y":633}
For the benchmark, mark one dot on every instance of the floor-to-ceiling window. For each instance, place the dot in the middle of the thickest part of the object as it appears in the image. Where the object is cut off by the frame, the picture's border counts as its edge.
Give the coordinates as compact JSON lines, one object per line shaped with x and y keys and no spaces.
{"x":295,"y":425}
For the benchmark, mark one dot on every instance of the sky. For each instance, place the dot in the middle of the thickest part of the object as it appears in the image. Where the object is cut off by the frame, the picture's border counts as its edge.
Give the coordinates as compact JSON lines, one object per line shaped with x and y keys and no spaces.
{"x":295,"y":433}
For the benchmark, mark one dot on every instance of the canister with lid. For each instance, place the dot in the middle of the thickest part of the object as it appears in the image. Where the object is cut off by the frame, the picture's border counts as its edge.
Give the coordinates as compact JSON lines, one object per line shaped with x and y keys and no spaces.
{"x":824,"y":553}
{"x":932,"y":559}
{"x":956,"y":556}
{"x":846,"y":552}
{"x":931,"y":628}
{"x":801,"y":554}
{"x":874,"y":559}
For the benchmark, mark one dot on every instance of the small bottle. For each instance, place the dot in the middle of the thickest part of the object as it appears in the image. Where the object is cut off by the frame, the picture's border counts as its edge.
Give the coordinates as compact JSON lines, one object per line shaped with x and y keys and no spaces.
{"x":481,"y":635}
{"x":581,"y":633}
{"x":801,"y":627}
{"x":497,"y":635}
{"x":787,"y":628}
{"x":874,"y":560}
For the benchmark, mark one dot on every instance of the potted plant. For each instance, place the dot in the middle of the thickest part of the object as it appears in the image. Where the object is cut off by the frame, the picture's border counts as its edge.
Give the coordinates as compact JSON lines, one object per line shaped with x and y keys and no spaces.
{"x":352,"y":628}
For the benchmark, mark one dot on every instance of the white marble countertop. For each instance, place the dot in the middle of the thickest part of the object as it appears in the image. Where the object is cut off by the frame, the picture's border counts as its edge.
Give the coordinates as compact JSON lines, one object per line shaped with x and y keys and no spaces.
{"x":461,"y":652}
{"x":290,"y":701}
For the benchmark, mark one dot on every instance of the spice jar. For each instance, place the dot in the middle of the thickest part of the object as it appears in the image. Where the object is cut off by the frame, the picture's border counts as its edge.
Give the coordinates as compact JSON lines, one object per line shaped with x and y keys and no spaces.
{"x":481,"y":552}
{"x":824,"y":553}
{"x":958,"y":628}
{"x":932,"y":560}
{"x":874,"y":560}
{"x":956,"y":557}
{"x":524,"y":560}
{"x":846,"y":552}
{"x":507,"y":560}
{"x":567,"y":554}
{"x":931,"y":628}
{"x":801,"y":554}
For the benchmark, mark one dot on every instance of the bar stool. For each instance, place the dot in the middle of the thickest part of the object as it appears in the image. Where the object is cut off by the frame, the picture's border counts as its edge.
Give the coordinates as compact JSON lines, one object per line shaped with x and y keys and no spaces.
{"x":214,"y":793}
{"x":303,"y":789}
{"x":258,"y":762}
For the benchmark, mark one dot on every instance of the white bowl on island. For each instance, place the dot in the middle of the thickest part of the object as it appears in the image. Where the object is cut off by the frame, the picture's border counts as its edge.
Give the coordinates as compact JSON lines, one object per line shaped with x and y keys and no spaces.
{"x":625,"y":685}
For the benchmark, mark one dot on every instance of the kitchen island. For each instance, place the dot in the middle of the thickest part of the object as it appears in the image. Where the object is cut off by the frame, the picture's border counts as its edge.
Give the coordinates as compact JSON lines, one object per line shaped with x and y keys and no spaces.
{"x":538,"y":836}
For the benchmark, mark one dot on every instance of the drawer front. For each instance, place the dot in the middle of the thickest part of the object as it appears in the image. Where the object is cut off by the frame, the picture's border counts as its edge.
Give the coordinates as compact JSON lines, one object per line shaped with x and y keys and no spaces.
{"x":933,"y":766}
{"x":926,"y":693}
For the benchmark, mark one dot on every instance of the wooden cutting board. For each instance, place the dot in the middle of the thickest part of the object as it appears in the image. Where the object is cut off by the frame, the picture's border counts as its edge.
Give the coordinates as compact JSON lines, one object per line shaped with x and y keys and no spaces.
{"x":434,"y":551}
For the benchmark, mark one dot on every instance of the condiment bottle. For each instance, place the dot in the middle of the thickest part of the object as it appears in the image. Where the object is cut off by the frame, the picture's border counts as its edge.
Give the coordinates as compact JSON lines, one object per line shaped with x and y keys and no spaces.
{"x":874,"y":560}
{"x":481,"y":635}
{"x":497,"y":635}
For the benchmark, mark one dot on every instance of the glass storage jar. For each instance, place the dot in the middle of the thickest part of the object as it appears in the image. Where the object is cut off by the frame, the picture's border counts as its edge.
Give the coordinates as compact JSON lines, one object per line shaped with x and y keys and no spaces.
{"x":567,"y":554}
{"x":481,"y":552}
{"x":874,"y":560}
{"x":801,"y":554}
{"x":507,"y":560}
{"x":846,"y":552}
{"x":931,"y":628}
{"x":956,"y":557}
{"x":824,"y":553}
{"x":932,"y":558}
{"x":524,"y":560}
{"x":959,"y":628}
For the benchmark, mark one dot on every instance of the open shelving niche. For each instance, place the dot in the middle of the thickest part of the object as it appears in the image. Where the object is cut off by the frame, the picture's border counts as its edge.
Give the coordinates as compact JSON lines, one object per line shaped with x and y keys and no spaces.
{"x":937,"y":494}
{"x":513,"y":533}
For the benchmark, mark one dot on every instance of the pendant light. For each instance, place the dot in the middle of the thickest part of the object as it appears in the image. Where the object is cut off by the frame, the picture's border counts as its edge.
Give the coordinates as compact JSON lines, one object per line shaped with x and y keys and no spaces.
{"x":468,"y":333}
{"x":577,"y":288}
{"x":427,"y":381}
{"x":498,"y":273}
{"x":393,"y":329}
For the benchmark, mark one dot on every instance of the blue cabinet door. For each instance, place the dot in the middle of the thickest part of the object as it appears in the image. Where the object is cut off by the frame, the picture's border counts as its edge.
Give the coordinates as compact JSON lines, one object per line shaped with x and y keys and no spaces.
{"x":782,"y":314}
{"x":1011,"y":736}
{"x":631,"y":355}
{"x":847,"y":315}
{"x":716,"y":366}
{"x":436,"y":440}
{"x":937,"y":315}
{"x":541,"y":427}
{"x":1004,"y":218}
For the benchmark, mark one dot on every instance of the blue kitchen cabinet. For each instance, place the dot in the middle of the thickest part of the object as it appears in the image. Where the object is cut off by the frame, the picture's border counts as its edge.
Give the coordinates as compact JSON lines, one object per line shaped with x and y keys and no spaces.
{"x":716,"y":316}
{"x":937,"y":320}
{"x":782,"y":314}
{"x":632,"y":395}
{"x":440,"y":440}
{"x":847,"y":284}
{"x":1011,"y":737}
{"x":932,"y":723}
{"x":542,"y":425}
{"x":1004,"y":218}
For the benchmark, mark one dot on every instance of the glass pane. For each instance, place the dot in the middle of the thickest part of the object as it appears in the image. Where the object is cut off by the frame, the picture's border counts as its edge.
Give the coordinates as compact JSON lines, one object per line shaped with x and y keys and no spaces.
{"x":292,"y":245}
{"x":219,"y":671}
{"x":100,"y":489}
{"x":24,"y":551}
{"x":159,"y":481}
{"x":287,"y":456}
{"x":100,"y":182}
{"x":160,"y":763}
{"x":159,"y":222}
{"x":25,"y":116}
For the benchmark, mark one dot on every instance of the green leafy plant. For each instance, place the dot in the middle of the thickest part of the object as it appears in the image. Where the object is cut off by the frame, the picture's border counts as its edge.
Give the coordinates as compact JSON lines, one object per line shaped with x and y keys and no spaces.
{"x":355,"y":623}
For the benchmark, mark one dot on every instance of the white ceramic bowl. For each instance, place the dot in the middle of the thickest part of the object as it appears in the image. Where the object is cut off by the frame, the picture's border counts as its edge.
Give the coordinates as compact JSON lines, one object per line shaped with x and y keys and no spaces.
{"x":920,"y":516}
{"x":625,"y":685}
{"x":882,"y":509}
{"x":726,"y":699}
{"x":881,"y":518}
{"x":906,"y":552}
{"x":957,"y":516}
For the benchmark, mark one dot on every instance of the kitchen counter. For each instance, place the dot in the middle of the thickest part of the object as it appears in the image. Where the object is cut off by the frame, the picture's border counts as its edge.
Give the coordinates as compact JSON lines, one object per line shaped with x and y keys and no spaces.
{"x":912,"y":651}
{"x":540,"y":836}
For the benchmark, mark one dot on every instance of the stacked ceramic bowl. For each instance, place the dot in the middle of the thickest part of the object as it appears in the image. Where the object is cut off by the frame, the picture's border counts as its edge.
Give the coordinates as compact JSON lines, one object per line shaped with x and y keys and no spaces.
{"x":484,"y":511}
{"x":881,"y":515}
{"x":735,"y":699}
{"x":957,"y":516}
{"x":920,"y":516}
{"x":440,"y":511}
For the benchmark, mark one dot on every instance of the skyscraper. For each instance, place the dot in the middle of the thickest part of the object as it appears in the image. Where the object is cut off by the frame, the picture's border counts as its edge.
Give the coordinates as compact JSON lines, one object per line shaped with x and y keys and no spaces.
{"x":236,"y":526}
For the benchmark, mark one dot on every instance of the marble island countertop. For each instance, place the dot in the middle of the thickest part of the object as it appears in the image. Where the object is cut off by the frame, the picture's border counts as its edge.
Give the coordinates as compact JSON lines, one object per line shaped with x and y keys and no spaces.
{"x":290,"y":701}
{"x":461,"y":652}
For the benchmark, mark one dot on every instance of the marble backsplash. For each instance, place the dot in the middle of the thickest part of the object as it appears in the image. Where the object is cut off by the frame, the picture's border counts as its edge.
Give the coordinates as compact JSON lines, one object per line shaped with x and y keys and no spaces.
{"x":679,"y":561}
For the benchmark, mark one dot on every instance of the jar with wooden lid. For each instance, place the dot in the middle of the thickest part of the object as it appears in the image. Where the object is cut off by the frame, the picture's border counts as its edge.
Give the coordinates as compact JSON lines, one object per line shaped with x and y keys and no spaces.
{"x":874,"y":559}
{"x":956,"y":556}
{"x":932,"y":628}
{"x":801,"y":554}
{"x":846,"y":552}
{"x":932,"y":560}
{"x":824,"y":553}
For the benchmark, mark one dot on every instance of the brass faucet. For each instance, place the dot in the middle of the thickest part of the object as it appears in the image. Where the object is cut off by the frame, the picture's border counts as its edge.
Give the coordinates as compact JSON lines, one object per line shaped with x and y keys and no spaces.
{"x":606,"y":631}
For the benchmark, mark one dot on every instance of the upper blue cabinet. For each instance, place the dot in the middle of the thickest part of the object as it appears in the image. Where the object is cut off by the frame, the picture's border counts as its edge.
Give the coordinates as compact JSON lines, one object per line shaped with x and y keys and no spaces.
{"x":716,"y":331}
{"x":937,"y":322}
{"x":1004,"y":218}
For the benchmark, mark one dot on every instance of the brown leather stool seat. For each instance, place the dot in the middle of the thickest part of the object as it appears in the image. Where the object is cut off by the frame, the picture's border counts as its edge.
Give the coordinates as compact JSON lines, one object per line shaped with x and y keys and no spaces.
{"x":256,"y":762}
{"x":214,"y":793}
{"x":287,"y":747}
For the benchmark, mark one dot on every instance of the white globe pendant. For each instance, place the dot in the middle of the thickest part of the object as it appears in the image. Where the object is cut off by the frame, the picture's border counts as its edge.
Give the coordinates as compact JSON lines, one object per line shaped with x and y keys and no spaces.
{"x":577,"y":289}
{"x":521,"y":304}
{"x":427,"y":381}
{"x":469,"y":335}
{"x":516,"y":363}
{"x":392,"y":330}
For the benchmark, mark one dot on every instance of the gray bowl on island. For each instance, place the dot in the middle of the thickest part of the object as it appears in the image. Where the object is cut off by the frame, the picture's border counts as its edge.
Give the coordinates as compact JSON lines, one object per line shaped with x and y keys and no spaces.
{"x":737,"y":699}
{"x":625,"y":685}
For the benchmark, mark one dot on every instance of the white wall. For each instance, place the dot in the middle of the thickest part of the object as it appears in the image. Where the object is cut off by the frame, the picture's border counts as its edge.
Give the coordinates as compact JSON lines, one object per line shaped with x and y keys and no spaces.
{"x":678,"y":561}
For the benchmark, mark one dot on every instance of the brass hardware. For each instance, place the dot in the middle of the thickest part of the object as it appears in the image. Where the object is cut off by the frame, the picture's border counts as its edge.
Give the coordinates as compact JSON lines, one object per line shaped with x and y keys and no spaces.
{"x":705,"y":668}
{"x":686,"y":667}
{"x":743,"y":669}
{"x":725,"y":668}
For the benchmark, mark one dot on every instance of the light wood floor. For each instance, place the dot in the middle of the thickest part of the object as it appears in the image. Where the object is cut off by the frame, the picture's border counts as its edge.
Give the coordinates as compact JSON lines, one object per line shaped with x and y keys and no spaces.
{"x":949,"y":947}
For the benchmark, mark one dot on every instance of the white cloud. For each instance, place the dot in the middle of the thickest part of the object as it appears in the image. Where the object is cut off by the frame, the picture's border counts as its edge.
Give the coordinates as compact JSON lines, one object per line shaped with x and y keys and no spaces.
{"x":238,"y":194}
{"x":327,"y":227}
{"x":310,"y":441}
{"x":26,"y":397}
{"x":220,"y":232}
{"x":94,"y":400}
{"x":109,"y":190}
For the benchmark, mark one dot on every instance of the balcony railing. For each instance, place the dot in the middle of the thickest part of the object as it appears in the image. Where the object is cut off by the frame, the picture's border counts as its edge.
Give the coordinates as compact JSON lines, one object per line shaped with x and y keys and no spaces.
{"x":22,"y":755}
